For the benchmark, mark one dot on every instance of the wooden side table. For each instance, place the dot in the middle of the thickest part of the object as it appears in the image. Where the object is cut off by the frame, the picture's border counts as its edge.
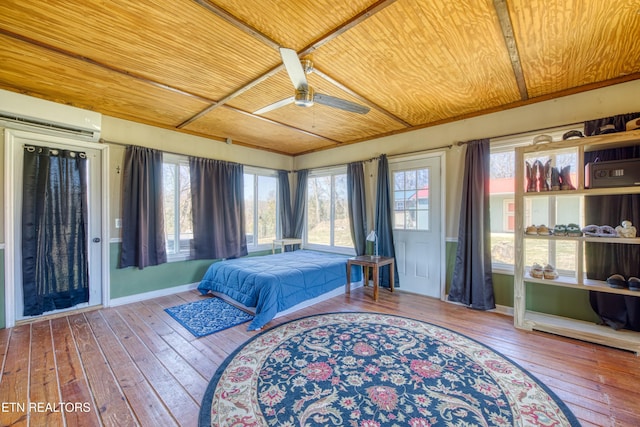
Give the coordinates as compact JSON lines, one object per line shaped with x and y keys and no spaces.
{"x":376,"y":262}
{"x":283,"y":243}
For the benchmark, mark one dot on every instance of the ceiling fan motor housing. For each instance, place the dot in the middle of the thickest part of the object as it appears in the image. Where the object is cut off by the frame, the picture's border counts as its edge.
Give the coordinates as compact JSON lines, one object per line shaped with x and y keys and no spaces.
{"x":304,"y":97}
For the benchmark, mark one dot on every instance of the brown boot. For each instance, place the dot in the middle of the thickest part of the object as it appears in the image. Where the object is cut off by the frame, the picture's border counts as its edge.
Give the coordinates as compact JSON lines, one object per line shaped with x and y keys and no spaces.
{"x":538,"y":174}
{"x":545,"y":177}
{"x":531,"y":179}
{"x":565,"y":179}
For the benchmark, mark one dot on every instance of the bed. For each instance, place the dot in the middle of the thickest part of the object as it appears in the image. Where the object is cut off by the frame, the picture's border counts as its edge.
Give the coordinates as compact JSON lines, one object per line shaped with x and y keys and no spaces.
{"x":274,"y":283}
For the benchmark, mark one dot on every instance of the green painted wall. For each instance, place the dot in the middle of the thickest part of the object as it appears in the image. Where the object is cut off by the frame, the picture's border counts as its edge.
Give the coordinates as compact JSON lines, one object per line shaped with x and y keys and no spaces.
{"x":125,"y":282}
{"x":131,"y":281}
{"x":560,"y":301}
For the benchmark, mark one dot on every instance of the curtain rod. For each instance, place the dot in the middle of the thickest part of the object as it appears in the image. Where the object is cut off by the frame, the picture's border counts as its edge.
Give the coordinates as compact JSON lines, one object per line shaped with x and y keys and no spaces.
{"x":426,"y":150}
{"x":122,"y":144}
{"x":456,"y":144}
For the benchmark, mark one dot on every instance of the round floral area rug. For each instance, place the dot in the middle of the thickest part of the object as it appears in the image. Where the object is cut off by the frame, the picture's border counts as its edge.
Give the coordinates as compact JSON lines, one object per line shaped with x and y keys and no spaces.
{"x":373,"y":370}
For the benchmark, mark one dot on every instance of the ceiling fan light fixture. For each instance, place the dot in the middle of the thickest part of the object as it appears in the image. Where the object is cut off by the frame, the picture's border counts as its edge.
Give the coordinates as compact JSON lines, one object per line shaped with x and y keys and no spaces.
{"x":307,"y":65}
{"x":304,"y":98}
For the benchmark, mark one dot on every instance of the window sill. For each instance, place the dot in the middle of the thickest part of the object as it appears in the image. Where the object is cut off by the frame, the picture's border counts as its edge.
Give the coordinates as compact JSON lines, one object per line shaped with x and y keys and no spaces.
{"x":178,"y":257}
{"x":502,"y":269}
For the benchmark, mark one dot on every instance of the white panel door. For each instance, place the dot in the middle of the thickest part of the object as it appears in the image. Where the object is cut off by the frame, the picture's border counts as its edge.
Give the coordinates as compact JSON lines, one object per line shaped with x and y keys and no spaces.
{"x":417,"y":224}
{"x":95,"y":205}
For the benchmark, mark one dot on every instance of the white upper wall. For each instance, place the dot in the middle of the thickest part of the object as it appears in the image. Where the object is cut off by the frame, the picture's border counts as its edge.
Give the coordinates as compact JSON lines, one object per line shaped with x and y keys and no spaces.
{"x":604,"y":102}
{"x":608,"y":101}
{"x":131,"y":133}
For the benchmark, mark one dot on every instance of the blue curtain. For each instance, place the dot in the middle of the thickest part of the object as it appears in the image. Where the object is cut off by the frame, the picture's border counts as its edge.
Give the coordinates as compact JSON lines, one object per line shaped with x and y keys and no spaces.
{"x":143,"y":238}
{"x":356,"y":203}
{"x":472,"y":282}
{"x":217,"y":203}
{"x":300,"y":203}
{"x":284,"y":195}
{"x":55,"y":268}
{"x":384,"y":225}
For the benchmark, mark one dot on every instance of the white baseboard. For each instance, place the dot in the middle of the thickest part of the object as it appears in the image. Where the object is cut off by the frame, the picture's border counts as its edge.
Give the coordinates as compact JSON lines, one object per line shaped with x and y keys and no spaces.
{"x":153,"y":294}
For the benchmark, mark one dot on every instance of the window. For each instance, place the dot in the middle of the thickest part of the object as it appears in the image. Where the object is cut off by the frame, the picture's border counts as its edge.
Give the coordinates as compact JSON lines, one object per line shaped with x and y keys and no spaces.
{"x":260,"y":207}
{"x":501,"y":199}
{"x":327,"y":222}
{"x":501,"y":196}
{"x":411,"y":199}
{"x":178,"y":224}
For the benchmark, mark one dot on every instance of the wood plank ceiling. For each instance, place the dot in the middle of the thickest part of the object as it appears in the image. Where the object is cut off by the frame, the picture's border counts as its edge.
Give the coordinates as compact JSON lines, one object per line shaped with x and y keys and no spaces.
{"x":204,"y":66}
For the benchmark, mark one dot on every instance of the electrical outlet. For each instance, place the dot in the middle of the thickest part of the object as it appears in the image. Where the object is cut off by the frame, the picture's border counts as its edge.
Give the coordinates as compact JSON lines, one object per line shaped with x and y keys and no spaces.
{"x":118,"y":223}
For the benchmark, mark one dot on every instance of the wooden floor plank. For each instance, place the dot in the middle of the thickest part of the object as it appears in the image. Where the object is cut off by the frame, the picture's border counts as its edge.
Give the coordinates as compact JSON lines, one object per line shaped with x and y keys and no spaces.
{"x":74,"y":386}
{"x":148,"y":408}
{"x":14,"y":385}
{"x":44,"y":391}
{"x":126,"y":360}
{"x":110,"y":403}
{"x":175,"y":398}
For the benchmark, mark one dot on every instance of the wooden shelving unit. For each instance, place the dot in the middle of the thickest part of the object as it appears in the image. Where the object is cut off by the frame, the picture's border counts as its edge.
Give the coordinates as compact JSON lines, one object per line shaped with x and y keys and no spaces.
{"x":525,"y":319}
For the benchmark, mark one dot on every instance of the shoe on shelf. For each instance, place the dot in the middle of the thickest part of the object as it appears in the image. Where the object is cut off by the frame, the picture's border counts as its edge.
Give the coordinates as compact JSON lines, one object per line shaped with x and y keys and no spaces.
{"x":531,"y":179}
{"x":573,"y":230}
{"x":532,"y":229}
{"x":616,"y":281}
{"x":555,"y":179}
{"x":565,"y":179}
{"x":634,"y":284}
{"x":543,"y":230}
{"x":550,"y":272}
{"x":560,"y":230}
{"x":536,"y":271}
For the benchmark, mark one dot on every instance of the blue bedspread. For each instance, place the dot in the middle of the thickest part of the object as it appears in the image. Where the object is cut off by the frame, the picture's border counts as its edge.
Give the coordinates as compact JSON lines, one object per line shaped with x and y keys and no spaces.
{"x":273,"y":283}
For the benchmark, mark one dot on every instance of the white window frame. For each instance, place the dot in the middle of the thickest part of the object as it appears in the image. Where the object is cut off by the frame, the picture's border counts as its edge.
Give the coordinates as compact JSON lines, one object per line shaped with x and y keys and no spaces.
{"x":317,"y":173}
{"x":178,"y":161}
{"x":509,"y":143}
{"x":256,"y":172}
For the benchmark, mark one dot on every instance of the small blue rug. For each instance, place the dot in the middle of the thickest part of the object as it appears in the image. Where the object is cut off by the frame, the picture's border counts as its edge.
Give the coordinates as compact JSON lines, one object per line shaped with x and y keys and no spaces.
{"x":210,"y":315}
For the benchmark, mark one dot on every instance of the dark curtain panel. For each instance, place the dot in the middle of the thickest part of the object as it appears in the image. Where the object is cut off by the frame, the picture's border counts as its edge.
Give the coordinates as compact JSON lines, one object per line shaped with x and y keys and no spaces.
{"x":472,"y":282}
{"x":592,"y":127}
{"x":143,"y":238}
{"x":356,"y":202}
{"x":605,"y":259}
{"x":300,"y":203}
{"x":55,"y":268}
{"x":217,"y":193}
{"x":284,"y":195}
{"x":384,"y":224}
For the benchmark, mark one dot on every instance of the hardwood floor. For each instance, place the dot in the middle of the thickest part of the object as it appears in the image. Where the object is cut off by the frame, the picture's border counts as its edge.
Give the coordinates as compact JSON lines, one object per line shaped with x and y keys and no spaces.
{"x":135,"y":365}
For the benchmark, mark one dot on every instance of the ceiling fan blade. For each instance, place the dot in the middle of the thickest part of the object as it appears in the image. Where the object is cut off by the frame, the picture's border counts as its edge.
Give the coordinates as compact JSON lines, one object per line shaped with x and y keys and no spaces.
{"x":275,"y":105}
{"x":342,"y":104}
{"x":294,"y":68}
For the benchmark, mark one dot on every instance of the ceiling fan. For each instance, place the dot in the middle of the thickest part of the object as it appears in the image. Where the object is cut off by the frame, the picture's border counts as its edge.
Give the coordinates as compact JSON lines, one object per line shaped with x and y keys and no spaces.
{"x":305,"y":95}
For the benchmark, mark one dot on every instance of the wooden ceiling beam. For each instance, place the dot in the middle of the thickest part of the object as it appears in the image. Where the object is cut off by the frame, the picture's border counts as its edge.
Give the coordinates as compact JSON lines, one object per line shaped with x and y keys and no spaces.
{"x":241,"y":25}
{"x":346,"y":26}
{"x":360,"y":98}
{"x":510,"y":41}
{"x":274,"y":122}
{"x":99,"y":64}
{"x":327,"y":37}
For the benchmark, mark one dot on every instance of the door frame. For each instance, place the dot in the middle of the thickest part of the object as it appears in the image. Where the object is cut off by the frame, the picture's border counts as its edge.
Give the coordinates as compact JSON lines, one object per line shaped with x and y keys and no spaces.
{"x":441,"y":155}
{"x":10,"y":147}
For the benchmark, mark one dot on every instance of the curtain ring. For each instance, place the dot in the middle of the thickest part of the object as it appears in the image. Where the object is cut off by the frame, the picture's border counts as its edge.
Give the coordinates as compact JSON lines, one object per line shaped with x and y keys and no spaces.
{"x":30,"y":148}
{"x":54,"y":152}
{"x":82,"y":155}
